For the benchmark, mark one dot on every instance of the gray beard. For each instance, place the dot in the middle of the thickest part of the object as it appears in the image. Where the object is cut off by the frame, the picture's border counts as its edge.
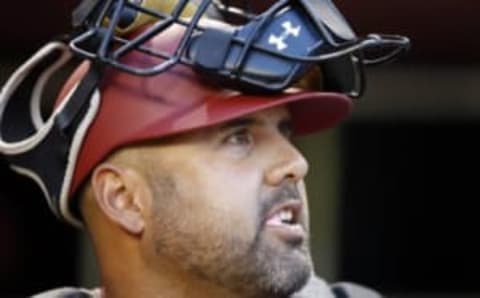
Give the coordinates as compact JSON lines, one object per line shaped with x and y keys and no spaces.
{"x":260,"y":270}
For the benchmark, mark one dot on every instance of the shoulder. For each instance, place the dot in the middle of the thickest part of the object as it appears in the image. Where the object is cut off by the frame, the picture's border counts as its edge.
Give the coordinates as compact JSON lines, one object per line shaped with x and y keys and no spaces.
{"x":318,"y":288}
{"x":69,"y":293}
{"x":352,"y":290}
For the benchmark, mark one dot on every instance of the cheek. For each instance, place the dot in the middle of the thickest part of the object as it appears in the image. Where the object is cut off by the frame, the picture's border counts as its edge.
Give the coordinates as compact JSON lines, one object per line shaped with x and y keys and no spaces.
{"x":228,"y":198}
{"x":213,"y":204}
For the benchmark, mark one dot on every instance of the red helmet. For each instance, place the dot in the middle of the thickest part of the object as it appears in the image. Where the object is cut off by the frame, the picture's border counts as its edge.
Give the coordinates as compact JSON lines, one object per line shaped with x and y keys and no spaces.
{"x":119,"y":98}
{"x":135,"y":108}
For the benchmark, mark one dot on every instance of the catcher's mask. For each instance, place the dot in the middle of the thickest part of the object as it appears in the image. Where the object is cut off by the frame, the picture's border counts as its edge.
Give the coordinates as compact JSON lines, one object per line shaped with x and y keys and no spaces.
{"x":267,"y":52}
{"x":156,"y":68}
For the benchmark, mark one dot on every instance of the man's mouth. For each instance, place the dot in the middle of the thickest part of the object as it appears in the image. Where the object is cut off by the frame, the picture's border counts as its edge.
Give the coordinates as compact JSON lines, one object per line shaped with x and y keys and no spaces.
{"x":285,"y":221}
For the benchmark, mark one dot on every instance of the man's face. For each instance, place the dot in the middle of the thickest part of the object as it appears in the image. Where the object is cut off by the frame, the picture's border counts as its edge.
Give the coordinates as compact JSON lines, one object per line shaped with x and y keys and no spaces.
{"x":229,"y":205}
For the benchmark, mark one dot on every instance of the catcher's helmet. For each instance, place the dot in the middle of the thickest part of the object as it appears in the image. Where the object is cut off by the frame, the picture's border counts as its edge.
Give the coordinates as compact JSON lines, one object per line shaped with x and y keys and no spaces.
{"x":176,"y":74}
{"x":267,"y":52}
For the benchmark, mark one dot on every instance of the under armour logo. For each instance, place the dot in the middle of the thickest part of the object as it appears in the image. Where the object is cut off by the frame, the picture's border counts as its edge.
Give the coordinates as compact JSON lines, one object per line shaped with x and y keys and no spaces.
{"x":279,"y":41}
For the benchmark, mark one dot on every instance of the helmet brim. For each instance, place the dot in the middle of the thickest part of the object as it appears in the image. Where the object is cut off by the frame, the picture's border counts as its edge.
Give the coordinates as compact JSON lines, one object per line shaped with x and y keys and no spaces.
{"x":137,"y":109}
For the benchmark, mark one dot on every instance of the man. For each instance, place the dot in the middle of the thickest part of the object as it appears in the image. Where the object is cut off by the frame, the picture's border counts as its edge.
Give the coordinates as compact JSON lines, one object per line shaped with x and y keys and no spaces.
{"x":186,"y":188}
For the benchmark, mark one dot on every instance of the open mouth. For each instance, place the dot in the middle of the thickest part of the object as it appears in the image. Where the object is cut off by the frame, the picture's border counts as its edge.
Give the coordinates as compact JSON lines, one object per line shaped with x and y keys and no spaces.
{"x":285,"y":221}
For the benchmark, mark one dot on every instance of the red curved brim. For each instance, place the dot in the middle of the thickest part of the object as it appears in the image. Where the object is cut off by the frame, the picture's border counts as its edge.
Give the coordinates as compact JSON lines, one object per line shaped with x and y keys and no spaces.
{"x":136,"y":109}
{"x":310,"y":111}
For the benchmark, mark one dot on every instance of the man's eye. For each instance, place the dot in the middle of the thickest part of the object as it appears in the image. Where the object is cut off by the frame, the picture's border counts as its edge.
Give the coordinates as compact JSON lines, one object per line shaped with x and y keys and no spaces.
{"x":239,"y":137}
{"x":286,"y":129}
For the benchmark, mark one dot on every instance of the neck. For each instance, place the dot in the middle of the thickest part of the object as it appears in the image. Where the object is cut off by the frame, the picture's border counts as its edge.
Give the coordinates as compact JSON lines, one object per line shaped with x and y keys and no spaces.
{"x":169,"y":283}
{"x":126,"y":274}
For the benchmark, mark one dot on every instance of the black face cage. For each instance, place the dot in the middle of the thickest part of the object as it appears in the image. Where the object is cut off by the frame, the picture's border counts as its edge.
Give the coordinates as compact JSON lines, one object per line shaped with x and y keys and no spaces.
{"x":268,"y":52}
{"x":249,"y":52}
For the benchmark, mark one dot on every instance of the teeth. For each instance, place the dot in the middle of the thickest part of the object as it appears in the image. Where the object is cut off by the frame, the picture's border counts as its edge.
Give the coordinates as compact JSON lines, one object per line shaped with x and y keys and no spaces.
{"x":286,"y":216}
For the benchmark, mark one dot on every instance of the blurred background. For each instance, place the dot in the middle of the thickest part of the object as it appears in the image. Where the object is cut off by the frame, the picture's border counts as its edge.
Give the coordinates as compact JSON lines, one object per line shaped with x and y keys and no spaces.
{"x":393,"y":190}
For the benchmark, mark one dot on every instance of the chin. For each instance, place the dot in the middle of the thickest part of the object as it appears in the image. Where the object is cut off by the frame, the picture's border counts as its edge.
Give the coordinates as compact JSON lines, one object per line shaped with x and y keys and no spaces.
{"x":284,"y":272}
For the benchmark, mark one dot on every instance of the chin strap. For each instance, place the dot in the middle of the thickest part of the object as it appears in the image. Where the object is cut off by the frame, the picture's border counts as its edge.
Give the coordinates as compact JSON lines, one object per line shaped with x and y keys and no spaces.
{"x":46,"y":150}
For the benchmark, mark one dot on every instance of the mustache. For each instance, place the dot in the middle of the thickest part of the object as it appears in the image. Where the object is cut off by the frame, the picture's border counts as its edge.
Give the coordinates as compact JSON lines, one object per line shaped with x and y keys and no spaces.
{"x":284,"y":193}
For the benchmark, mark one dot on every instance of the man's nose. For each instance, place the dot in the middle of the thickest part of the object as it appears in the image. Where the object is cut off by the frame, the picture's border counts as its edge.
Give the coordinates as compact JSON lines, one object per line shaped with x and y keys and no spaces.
{"x":287,"y":163}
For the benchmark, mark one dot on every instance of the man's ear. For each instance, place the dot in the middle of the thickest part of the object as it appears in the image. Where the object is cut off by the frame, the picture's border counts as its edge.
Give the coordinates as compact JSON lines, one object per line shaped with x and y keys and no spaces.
{"x":119,"y":192}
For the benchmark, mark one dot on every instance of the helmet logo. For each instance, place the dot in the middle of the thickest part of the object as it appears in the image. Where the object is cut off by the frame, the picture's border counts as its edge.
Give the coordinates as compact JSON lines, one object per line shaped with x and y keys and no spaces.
{"x":280,"y":41}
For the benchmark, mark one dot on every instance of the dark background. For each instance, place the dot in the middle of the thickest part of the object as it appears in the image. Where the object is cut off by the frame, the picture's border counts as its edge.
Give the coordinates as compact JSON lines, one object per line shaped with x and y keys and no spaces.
{"x":409,"y":178}
{"x":409,"y":214}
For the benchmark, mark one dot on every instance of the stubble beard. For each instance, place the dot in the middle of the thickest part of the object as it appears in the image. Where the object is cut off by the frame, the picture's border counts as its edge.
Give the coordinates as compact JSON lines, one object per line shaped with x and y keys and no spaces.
{"x":262,"y":268}
{"x":270,"y":269}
